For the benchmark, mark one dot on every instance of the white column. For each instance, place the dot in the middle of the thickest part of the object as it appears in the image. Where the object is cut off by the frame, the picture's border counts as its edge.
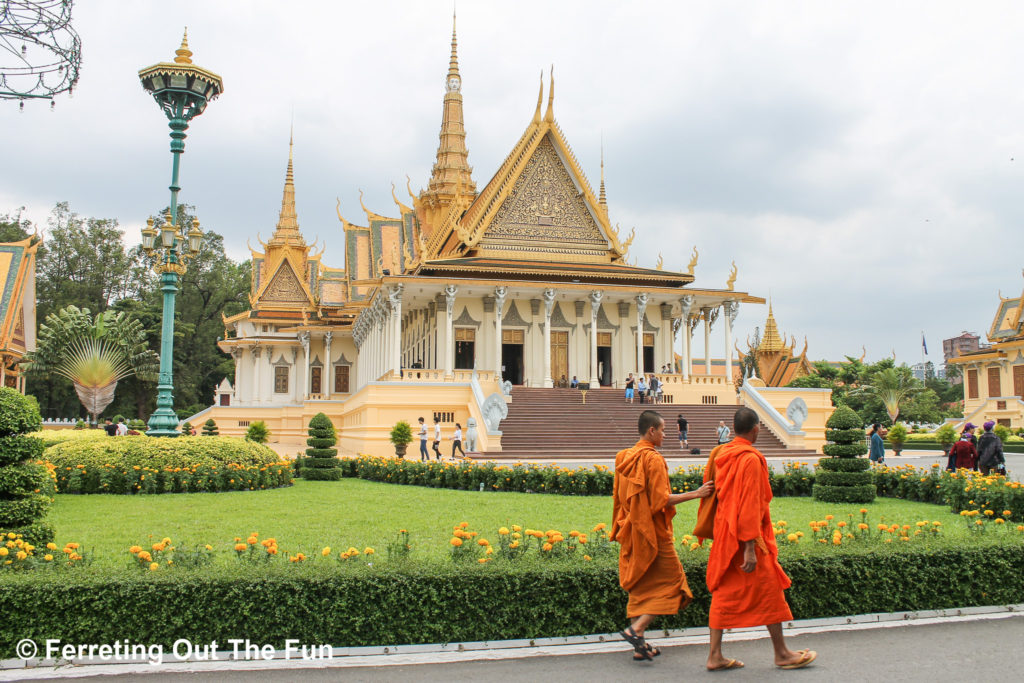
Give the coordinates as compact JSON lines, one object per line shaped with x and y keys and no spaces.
{"x":236,"y":353}
{"x":707,"y":339}
{"x":666,"y":336}
{"x":449,"y":329}
{"x":395,"y":300}
{"x":327,"y":374}
{"x":549,"y":302}
{"x":730,"y":309}
{"x":257,"y":391}
{"x":595,"y":307}
{"x":641,"y":306}
{"x":499,"y":306}
{"x":685,"y":303}
{"x":304,"y":341}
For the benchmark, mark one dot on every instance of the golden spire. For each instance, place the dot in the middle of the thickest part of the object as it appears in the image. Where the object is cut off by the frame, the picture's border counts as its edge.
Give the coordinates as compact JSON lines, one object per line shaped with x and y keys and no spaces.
{"x":287,"y":231}
{"x":602,"y":199}
{"x":184,"y":55}
{"x":549,"y":116}
{"x":771,"y":341}
{"x":451,"y":173}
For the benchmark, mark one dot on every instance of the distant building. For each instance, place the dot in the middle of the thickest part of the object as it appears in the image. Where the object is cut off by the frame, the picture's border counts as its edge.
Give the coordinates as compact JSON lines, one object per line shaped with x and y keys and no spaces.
{"x":954,"y":347}
{"x":940,"y":372}
{"x":923,"y":371}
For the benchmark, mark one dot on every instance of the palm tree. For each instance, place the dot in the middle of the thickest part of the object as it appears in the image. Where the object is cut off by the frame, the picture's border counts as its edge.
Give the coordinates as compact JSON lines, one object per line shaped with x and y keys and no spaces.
{"x":892,"y":387}
{"x":94,"y":353}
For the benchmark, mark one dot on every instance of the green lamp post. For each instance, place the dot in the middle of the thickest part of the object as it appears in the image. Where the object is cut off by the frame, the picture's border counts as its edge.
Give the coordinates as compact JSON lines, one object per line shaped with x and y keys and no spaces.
{"x":182,"y":90}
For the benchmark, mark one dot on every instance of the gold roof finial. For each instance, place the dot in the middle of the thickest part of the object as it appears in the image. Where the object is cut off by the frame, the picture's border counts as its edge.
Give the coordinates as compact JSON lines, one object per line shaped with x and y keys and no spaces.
{"x":287,"y":230}
{"x":771,"y":341}
{"x":550,"y":114}
{"x":540,"y":98}
{"x":731,"y":282}
{"x":453,"y":63}
{"x":184,"y":55}
{"x":602,"y":199}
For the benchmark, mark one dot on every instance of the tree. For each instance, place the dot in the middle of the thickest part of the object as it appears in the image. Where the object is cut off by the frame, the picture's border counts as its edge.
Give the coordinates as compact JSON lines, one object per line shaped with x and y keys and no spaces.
{"x":892,"y":386}
{"x":210,"y":428}
{"x":843,"y":477}
{"x":25,"y":485}
{"x":94,"y":353}
{"x":258,"y":432}
{"x":321,"y":462}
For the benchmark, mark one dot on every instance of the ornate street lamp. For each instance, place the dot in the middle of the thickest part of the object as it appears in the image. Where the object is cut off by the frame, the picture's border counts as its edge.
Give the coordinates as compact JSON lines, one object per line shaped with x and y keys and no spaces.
{"x":182,"y":90}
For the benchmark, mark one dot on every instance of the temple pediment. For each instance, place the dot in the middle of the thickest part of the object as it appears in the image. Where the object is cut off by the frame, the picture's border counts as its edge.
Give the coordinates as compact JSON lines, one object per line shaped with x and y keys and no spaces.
{"x":285,"y":288}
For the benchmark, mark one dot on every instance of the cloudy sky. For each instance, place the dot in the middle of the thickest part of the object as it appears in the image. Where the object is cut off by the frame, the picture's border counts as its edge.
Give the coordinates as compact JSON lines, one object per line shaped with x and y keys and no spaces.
{"x":860,"y":162}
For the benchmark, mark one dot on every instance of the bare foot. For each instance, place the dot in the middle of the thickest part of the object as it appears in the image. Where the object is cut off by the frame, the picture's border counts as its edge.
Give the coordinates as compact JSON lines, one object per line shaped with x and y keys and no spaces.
{"x":798,"y":659}
{"x":720,"y":663}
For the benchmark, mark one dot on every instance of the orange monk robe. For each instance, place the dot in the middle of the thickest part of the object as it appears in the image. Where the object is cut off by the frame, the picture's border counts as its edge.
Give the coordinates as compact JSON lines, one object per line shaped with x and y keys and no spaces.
{"x":649,"y":568}
{"x":743,"y":490}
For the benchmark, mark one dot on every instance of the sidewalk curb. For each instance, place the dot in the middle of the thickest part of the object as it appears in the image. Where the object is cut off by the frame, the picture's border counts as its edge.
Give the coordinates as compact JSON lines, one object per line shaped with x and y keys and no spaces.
{"x":441,"y":653}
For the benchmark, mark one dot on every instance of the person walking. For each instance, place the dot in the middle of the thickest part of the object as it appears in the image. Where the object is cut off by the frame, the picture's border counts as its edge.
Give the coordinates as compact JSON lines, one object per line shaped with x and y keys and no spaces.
{"x":681,"y":422}
{"x":424,"y":454}
{"x":990,"y":451}
{"x":641,"y":388}
{"x":963,"y":454}
{"x":629,"y":388}
{"x":437,"y":438}
{"x":746,"y":581}
{"x":457,"y":441}
{"x":723,"y":432}
{"x":877,"y":452}
{"x":654,"y":388}
{"x":643,"y":506}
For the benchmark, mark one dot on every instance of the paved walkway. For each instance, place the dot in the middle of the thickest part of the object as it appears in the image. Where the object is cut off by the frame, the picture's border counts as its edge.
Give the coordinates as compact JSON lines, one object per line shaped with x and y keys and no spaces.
{"x":980,"y":647}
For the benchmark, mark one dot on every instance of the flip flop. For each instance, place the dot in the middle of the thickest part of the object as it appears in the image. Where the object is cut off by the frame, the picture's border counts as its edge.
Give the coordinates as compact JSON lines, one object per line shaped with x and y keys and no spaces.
{"x":653,"y":651}
{"x":806,"y":657}
{"x":638,"y":642}
{"x":731,"y":664}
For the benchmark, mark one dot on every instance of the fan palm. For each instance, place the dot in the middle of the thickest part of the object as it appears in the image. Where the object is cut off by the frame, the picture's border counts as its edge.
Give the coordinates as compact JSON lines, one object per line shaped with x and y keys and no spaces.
{"x":94,"y":353}
{"x":892,"y":387}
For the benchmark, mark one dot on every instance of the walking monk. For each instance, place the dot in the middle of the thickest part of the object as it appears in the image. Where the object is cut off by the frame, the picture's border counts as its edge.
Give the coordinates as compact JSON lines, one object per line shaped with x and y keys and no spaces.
{"x":643,"y":506}
{"x":744,"y":575}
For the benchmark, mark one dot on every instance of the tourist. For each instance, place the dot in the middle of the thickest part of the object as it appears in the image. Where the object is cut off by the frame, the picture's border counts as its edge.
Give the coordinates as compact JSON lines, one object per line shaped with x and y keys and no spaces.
{"x":723,"y":432}
{"x":457,"y":441}
{"x":659,"y":389}
{"x":437,"y":438}
{"x":681,"y":421}
{"x":424,"y":454}
{"x":652,"y":389}
{"x":641,"y":388}
{"x":110,"y":428}
{"x":990,"y":451}
{"x":877,"y":454}
{"x":574,"y":383}
{"x":629,"y":388}
{"x":743,"y":572}
{"x":122,"y":428}
{"x":969,"y":429}
{"x":963,"y":454}
{"x":643,"y":506}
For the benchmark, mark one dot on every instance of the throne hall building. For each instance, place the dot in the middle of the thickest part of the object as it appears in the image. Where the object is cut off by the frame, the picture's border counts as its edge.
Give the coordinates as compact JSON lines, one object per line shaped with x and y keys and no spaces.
{"x":465,"y":292}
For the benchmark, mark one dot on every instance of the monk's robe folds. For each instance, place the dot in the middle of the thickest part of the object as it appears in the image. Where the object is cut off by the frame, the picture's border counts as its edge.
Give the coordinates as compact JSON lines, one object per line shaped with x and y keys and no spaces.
{"x":743,"y":490}
{"x":649,"y":568}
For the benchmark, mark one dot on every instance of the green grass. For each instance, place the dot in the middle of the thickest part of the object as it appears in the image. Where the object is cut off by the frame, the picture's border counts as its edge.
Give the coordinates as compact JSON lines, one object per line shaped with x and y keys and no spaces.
{"x":311,"y":515}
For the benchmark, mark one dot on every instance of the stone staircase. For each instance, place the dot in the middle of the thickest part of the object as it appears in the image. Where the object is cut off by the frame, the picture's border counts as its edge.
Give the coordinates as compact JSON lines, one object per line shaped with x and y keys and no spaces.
{"x":545,"y":424}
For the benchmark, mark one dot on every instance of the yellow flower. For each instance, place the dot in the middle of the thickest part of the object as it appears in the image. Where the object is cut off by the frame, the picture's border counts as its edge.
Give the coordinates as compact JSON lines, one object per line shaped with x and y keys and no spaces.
{"x":21,"y":555}
{"x":863,"y":511}
{"x":586,"y":558}
{"x":936,"y":523}
{"x":513,"y":544}
{"x":368,"y":551}
{"x":326,"y":551}
{"x":829,"y":517}
{"x":516,"y":528}
{"x":252,"y":540}
{"x":1007,"y":513}
{"x":989,"y":513}
{"x":154,"y":566}
{"x":48,"y":557}
{"x":482,"y":541}
{"x":456,"y":542}
{"x":980,"y":523}
{"x":547,"y":547}
{"x":464,"y":525}
{"x":1000,"y":520}
{"x":503,"y":531}
{"x":600,"y":527}
{"x":516,"y":534}
{"x":209,"y":547}
{"x":489,"y":551}
{"x":694,"y":545}
{"x":483,"y":560}
{"x":792,"y":538}
{"x":53,"y":546}
{"x":841,"y":524}
{"x":574,"y":534}
{"x":240,"y":547}
{"x":920,"y":524}
{"x":166,"y":541}
{"x":351,"y":551}
{"x":862,"y":526}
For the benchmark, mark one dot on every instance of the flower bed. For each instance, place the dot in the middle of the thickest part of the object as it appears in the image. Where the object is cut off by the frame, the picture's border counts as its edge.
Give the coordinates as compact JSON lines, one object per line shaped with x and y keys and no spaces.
{"x":128,"y":465}
{"x":796,"y":479}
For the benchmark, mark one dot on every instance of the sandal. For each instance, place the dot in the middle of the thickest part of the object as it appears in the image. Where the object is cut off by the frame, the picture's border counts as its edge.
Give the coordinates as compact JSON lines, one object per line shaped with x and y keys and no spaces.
{"x":806,"y":657}
{"x":651,"y":650}
{"x":731,"y":664}
{"x":638,"y":643}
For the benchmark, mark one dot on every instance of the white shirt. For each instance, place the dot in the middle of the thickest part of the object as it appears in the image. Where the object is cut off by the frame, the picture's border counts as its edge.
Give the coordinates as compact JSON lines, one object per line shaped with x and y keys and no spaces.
{"x":458,"y":435}
{"x":423,"y":432}
{"x":437,"y":432}
{"x":122,"y":429}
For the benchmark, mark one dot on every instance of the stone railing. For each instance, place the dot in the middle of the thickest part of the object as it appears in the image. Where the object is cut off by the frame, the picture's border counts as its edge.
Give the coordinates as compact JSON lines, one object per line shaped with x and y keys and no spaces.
{"x":437,"y":375}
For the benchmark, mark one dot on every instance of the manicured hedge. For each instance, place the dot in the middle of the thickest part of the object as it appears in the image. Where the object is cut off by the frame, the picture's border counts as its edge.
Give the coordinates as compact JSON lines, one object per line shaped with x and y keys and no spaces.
{"x":381,"y":606}
{"x":844,"y":493}
{"x":150,"y":465}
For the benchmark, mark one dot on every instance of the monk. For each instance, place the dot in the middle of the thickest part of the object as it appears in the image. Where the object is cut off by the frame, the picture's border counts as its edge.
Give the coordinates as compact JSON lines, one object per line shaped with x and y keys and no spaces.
{"x":744,"y":575}
{"x":643,"y":506}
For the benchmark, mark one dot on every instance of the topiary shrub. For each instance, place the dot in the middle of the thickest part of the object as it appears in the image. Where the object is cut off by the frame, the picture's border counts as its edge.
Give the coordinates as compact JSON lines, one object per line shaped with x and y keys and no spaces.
{"x":25,"y":485}
{"x":258,"y":432}
{"x":138,"y":425}
{"x":210,"y":428}
{"x":897,"y":437}
{"x":321,"y":462}
{"x":843,"y":477}
{"x":401,"y":436}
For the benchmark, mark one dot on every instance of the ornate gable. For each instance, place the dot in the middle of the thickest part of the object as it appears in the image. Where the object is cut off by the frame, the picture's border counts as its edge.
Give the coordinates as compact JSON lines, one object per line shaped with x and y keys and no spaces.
{"x":545,"y":212}
{"x":285,"y":288}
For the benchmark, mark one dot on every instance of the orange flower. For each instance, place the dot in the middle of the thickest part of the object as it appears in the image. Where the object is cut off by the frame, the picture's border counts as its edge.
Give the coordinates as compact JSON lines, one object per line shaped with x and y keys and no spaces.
{"x":456,"y":542}
{"x":240,"y":547}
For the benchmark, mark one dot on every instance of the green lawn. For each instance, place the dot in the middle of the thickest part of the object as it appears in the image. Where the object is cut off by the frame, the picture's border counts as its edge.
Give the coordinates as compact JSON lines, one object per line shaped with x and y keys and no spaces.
{"x":311,"y":515}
